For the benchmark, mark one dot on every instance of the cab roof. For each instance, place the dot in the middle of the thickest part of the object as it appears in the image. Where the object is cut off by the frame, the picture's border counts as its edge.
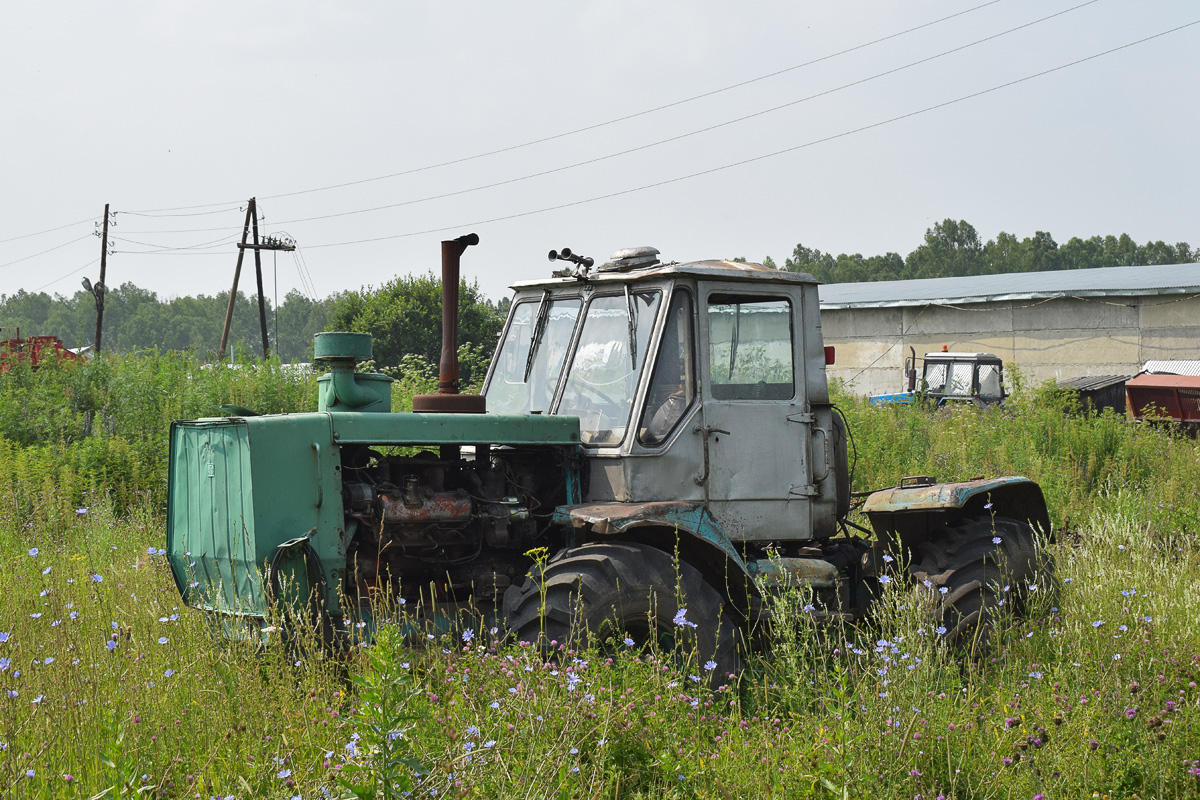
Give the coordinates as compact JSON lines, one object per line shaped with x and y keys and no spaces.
{"x":710,"y":270}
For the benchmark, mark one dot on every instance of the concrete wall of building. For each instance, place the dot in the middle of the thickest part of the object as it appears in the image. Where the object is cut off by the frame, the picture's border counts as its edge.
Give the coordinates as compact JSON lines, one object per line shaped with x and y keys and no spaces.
{"x":1047,"y":340}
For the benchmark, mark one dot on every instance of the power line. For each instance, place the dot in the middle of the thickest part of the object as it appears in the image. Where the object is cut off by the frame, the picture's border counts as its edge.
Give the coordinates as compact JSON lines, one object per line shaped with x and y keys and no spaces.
{"x":50,"y":250}
{"x":69,"y":274}
{"x":678,"y":137}
{"x":637,"y":114}
{"x":765,"y":156}
{"x":48,"y":230}
{"x":696,"y":132}
{"x":586,"y":128}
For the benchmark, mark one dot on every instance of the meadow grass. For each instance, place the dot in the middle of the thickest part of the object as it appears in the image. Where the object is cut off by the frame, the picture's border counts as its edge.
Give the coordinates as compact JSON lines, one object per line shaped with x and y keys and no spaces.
{"x":109,"y":685}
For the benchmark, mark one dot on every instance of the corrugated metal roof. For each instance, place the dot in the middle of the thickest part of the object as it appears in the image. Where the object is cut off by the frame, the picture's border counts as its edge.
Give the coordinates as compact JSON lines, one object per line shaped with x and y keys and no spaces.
{"x":1105,"y":282}
{"x":1173,"y":367}
{"x":1091,"y":383}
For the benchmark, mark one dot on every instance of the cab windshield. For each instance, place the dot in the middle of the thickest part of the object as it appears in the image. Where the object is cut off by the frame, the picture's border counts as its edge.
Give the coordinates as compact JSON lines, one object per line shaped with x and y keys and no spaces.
{"x":601,"y":378}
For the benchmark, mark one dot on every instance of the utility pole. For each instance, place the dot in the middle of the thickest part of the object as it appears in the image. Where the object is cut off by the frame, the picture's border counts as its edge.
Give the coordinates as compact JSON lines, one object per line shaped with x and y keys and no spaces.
{"x":99,"y":289}
{"x":284,"y":242}
{"x":267,"y":243}
{"x":237,"y":273}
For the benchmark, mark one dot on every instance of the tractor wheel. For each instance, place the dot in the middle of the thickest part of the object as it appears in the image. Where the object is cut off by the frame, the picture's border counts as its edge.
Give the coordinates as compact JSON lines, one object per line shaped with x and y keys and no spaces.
{"x":974,"y":580}
{"x":605,"y":592}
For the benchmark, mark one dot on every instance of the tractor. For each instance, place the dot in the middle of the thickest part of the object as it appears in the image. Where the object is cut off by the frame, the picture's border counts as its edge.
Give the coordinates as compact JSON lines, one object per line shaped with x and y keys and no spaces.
{"x":950,"y":377}
{"x":654,"y":454}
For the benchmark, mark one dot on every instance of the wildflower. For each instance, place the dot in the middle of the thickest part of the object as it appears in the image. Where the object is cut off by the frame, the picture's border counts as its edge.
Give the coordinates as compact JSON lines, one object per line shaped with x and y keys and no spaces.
{"x":710,"y":665}
{"x":941,"y":630}
{"x":1130,"y":713}
{"x":37,"y":701}
{"x":168,"y":673}
{"x":30,"y":773}
{"x":888,"y":558}
{"x":943,"y":589}
{"x":4,"y":663}
{"x":885,"y":579}
{"x":74,"y":614}
{"x":996,"y":540}
{"x":574,"y":751}
{"x":628,"y":642}
{"x":1036,"y":675}
{"x":284,"y":773}
{"x":36,"y":615}
{"x":44,"y":592}
{"x":468,"y":635}
{"x":13,"y":693}
{"x":495,"y":704}
{"x":987,"y":505}
{"x":681,"y":619}
{"x":472,"y":730}
{"x":3,"y":637}
{"x":49,"y":660}
{"x":46,"y":571}
{"x":927,"y":583}
{"x":490,"y":743}
{"x":81,"y":511}
{"x":1097,"y":623}
{"x":111,"y":645}
{"x":33,"y":552}
{"x":360,"y":624}
{"x":162,"y":640}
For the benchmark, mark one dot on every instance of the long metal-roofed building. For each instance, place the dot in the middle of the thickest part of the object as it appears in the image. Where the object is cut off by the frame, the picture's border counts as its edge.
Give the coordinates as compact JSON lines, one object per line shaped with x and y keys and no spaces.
{"x":1055,"y":325}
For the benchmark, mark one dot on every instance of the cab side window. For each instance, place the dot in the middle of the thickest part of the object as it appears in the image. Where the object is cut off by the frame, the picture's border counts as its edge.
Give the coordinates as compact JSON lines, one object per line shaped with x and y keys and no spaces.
{"x":750,"y":348}
{"x":673,"y":386}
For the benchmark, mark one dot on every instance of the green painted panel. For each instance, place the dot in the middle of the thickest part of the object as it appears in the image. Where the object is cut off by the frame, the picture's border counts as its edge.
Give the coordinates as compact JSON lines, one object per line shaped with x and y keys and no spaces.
{"x":408,"y":428}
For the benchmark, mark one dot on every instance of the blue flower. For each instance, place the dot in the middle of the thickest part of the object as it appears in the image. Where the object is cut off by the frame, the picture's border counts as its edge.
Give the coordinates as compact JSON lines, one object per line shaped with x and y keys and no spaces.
{"x":468,"y":635}
{"x":995,"y":540}
{"x":710,"y":665}
{"x":162,"y":640}
{"x":3,"y":637}
{"x":628,"y":642}
{"x":111,"y":645}
{"x":284,"y":773}
{"x":941,"y":630}
{"x":490,"y":743}
{"x":168,"y":673}
{"x":681,"y":619}
{"x":885,"y":579}
{"x":33,"y":551}
{"x":4,"y":663}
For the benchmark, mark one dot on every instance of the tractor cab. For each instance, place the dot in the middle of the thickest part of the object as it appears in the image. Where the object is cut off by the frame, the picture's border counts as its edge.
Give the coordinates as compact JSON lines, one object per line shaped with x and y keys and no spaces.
{"x":701,"y":382}
{"x":969,"y":377}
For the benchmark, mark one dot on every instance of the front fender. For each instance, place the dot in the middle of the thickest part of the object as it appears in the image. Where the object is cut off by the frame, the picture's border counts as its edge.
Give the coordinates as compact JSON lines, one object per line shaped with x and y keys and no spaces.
{"x":670,"y":526}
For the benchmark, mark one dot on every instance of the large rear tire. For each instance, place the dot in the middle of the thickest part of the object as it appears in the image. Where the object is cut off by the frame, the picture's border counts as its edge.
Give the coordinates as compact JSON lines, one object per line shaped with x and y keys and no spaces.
{"x":602,"y":592}
{"x":976,"y":571}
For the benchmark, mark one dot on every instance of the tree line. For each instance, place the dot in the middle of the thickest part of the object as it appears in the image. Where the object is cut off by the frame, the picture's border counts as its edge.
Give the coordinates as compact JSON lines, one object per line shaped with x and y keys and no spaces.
{"x":953,"y":248}
{"x":404,"y":316}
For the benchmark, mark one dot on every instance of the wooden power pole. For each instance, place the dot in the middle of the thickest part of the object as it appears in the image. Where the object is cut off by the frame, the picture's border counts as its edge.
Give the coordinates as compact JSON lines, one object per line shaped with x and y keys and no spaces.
{"x":99,"y":289}
{"x":267,"y":243}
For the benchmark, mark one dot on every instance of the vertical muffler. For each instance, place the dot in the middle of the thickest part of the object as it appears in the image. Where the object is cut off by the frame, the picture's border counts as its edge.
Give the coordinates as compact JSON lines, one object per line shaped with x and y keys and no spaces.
{"x":448,"y":400}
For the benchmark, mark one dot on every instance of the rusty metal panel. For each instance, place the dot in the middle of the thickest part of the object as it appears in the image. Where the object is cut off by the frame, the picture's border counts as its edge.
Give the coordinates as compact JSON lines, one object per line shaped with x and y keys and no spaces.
{"x":1175,"y":396}
{"x":929,"y":497}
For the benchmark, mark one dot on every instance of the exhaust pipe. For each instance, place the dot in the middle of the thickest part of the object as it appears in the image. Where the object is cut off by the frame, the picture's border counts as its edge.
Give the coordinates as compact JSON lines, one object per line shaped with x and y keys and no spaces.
{"x":448,"y":399}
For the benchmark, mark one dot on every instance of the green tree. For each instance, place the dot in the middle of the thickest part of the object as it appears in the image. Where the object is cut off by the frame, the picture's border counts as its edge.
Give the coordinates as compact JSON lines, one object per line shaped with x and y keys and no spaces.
{"x":405,"y":318}
{"x":951,"y":247}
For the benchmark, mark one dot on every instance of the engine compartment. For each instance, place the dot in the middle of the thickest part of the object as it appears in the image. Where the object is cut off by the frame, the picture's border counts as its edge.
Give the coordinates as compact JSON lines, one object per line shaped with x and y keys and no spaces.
{"x":446,"y":526}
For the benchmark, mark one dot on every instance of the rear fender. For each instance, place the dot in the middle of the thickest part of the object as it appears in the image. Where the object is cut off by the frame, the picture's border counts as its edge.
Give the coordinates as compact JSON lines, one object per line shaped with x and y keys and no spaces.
{"x":669,"y":526}
{"x":909,"y":512}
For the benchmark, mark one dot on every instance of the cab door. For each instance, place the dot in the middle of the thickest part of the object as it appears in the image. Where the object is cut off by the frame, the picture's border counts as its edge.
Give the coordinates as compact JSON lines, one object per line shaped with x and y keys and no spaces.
{"x":756,"y":424}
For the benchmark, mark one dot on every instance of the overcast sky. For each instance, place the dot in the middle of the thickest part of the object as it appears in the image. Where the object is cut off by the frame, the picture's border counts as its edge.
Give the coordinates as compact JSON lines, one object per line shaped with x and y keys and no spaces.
{"x":176,"y":112}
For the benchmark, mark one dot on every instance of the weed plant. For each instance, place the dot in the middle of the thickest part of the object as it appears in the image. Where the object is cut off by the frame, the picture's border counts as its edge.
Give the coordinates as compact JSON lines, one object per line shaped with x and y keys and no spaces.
{"x":109,"y":687}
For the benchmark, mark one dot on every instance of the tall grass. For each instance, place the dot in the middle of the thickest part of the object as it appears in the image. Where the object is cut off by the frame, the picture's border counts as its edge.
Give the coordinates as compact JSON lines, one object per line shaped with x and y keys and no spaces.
{"x":108,"y":685}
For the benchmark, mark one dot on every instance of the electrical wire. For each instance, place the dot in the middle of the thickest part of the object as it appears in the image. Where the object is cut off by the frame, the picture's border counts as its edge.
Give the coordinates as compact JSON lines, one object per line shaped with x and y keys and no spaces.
{"x":586,"y":128}
{"x":637,"y":114}
{"x":49,"y":250}
{"x":224,"y":240}
{"x":69,"y":274}
{"x":766,"y":156}
{"x":668,"y":140}
{"x":48,"y":230}
{"x":696,"y":132}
